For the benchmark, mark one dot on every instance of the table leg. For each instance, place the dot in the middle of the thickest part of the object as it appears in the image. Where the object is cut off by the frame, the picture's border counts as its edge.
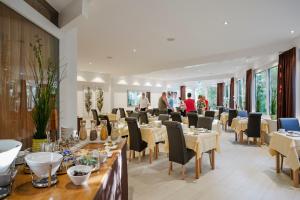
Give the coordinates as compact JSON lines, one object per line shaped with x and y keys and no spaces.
{"x":170,"y":167}
{"x":200,"y":164}
{"x":196,"y":167}
{"x":241,"y":137}
{"x":296,"y":177}
{"x":277,"y":162}
{"x":262,"y":138}
{"x":236,"y":136}
{"x":133,"y":154}
{"x":150,"y":156}
{"x":156,"y":151}
{"x":213,"y":159}
{"x":130,"y":154}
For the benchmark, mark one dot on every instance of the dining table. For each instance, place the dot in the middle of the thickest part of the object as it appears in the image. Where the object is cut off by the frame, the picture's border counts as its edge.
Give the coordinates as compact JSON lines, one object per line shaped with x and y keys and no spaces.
{"x":200,"y":142}
{"x":287,"y":144}
{"x":240,"y":124}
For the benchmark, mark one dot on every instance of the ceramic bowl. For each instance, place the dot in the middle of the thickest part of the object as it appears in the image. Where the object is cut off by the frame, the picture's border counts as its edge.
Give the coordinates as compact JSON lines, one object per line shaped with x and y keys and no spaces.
{"x":39,"y":163}
{"x":79,"y":180}
{"x":9,"y":150}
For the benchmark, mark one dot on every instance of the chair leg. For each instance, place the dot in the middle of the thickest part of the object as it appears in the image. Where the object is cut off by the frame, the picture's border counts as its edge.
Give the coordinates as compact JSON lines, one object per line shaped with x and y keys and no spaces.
{"x":139,"y":156}
{"x":133,"y":154}
{"x":150,"y":156}
{"x":144,"y":152}
{"x":170,"y":167}
{"x":248,"y":140}
{"x":281,"y":162}
{"x":130,"y":154}
{"x":183,"y":172}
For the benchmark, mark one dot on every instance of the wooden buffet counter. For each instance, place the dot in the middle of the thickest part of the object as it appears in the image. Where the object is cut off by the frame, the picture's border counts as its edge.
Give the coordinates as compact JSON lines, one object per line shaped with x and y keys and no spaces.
{"x":110,"y":182}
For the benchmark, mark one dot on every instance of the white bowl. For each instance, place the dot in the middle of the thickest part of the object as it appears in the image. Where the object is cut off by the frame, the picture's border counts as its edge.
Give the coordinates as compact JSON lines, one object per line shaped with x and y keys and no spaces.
{"x":79,"y":180}
{"x":40,"y":162}
{"x":9,"y":150}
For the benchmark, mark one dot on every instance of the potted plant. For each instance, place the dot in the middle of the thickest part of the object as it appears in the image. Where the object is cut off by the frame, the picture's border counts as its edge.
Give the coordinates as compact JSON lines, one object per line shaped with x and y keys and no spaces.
{"x":45,"y":75}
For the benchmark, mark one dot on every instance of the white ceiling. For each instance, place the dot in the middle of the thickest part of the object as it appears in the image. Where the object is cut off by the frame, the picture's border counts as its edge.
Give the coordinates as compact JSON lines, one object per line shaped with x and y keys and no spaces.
{"x":114,"y":28}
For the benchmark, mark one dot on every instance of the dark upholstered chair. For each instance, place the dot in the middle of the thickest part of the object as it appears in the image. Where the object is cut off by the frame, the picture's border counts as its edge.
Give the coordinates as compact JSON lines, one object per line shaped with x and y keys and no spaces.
{"x":95,"y":116}
{"x":254,"y":123}
{"x":193,"y":119}
{"x":162,"y":112}
{"x":155,"y":111}
{"x":289,"y":124}
{"x":205,"y":122}
{"x":163,"y":118}
{"x":231,"y":114}
{"x":209,"y":113}
{"x":242,"y":113}
{"x":122,"y":113}
{"x":105,"y":117}
{"x":143,"y":117}
{"x":178,"y":152}
{"x":199,"y":111}
{"x":176,"y":116}
{"x":135,"y":138}
{"x":114,"y":111}
{"x":221,"y":110}
{"x":129,"y":112}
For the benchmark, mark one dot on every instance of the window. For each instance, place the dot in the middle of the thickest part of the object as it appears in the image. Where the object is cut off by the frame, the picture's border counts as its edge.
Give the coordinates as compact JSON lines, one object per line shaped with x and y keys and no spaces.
{"x":226,"y":98}
{"x":212,"y":96}
{"x":241,"y":94}
{"x":261,"y":91}
{"x":273,"y":91}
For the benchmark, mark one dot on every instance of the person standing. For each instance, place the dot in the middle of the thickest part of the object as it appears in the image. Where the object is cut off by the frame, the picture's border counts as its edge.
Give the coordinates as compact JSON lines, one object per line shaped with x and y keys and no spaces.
{"x":144,"y":103}
{"x":206,"y":103}
{"x":190,"y":103}
{"x":163,"y":103}
{"x":170,"y":102}
{"x":182,"y":107}
{"x":200,"y":104}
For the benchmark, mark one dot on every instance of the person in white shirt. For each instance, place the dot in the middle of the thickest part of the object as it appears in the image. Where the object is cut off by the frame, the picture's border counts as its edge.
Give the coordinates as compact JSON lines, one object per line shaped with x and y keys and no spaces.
{"x":144,"y":102}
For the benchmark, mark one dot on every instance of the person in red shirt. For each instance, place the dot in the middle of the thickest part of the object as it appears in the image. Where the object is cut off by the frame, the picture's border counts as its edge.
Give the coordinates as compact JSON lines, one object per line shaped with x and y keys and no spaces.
{"x":190,"y":103}
{"x":206,"y":103}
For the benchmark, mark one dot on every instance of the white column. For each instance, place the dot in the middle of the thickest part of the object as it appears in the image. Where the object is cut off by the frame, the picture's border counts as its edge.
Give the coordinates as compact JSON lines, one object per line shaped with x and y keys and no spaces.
{"x":68,"y":84}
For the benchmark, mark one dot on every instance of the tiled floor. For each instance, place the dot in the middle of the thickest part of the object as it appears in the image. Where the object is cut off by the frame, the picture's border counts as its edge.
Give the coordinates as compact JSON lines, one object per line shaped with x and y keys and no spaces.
{"x":242,"y":172}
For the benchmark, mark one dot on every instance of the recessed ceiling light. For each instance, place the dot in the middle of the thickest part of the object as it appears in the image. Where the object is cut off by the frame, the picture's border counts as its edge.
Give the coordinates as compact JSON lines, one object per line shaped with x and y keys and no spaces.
{"x":136,"y":83}
{"x":134,"y":50}
{"x":170,"y":39}
{"x":292,"y":32}
{"x":225,"y":22}
{"x":90,"y":63}
{"x":109,"y":57}
{"x":158,"y":85}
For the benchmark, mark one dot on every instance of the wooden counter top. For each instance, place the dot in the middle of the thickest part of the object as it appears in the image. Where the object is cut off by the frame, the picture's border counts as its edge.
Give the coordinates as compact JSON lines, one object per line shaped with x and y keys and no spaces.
{"x":65,"y":189}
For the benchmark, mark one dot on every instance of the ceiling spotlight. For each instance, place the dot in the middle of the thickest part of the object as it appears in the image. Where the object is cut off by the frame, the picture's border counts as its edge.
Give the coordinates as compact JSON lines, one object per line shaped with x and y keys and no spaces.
{"x":292,"y":32}
{"x":225,"y":22}
{"x":90,"y":63}
{"x":134,"y":50}
{"x":109,"y":57}
{"x":170,"y":39}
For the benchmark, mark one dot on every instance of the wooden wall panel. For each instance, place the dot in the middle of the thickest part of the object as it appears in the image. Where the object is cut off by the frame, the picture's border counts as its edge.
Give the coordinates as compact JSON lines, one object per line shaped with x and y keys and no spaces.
{"x":16,"y":33}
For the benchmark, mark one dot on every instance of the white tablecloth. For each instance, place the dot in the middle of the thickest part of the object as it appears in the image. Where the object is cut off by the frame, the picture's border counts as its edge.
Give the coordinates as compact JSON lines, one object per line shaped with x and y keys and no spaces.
{"x":287,"y":146}
{"x":224,"y":118}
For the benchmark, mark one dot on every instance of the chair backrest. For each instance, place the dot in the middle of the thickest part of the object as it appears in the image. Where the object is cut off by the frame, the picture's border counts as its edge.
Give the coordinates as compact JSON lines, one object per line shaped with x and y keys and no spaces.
{"x":122,"y":113}
{"x":162,"y":112}
{"x":176,"y":116}
{"x":289,"y":124}
{"x":105,"y":117}
{"x":193,"y":118}
{"x":177,"y":146}
{"x":155,"y":111}
{"x":135,"y":137}
{"x":163,"y":118}
{"x":254,"y":123}
{"x":209,"y":113}
{"x":95,"y":116}
{"x":114,"y":111}
{"x":143,"y":117}
{"x":232,"y":113}
{"x":242,"y":113}
{"x":205,"y":122}
{"x":221,"y":110}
